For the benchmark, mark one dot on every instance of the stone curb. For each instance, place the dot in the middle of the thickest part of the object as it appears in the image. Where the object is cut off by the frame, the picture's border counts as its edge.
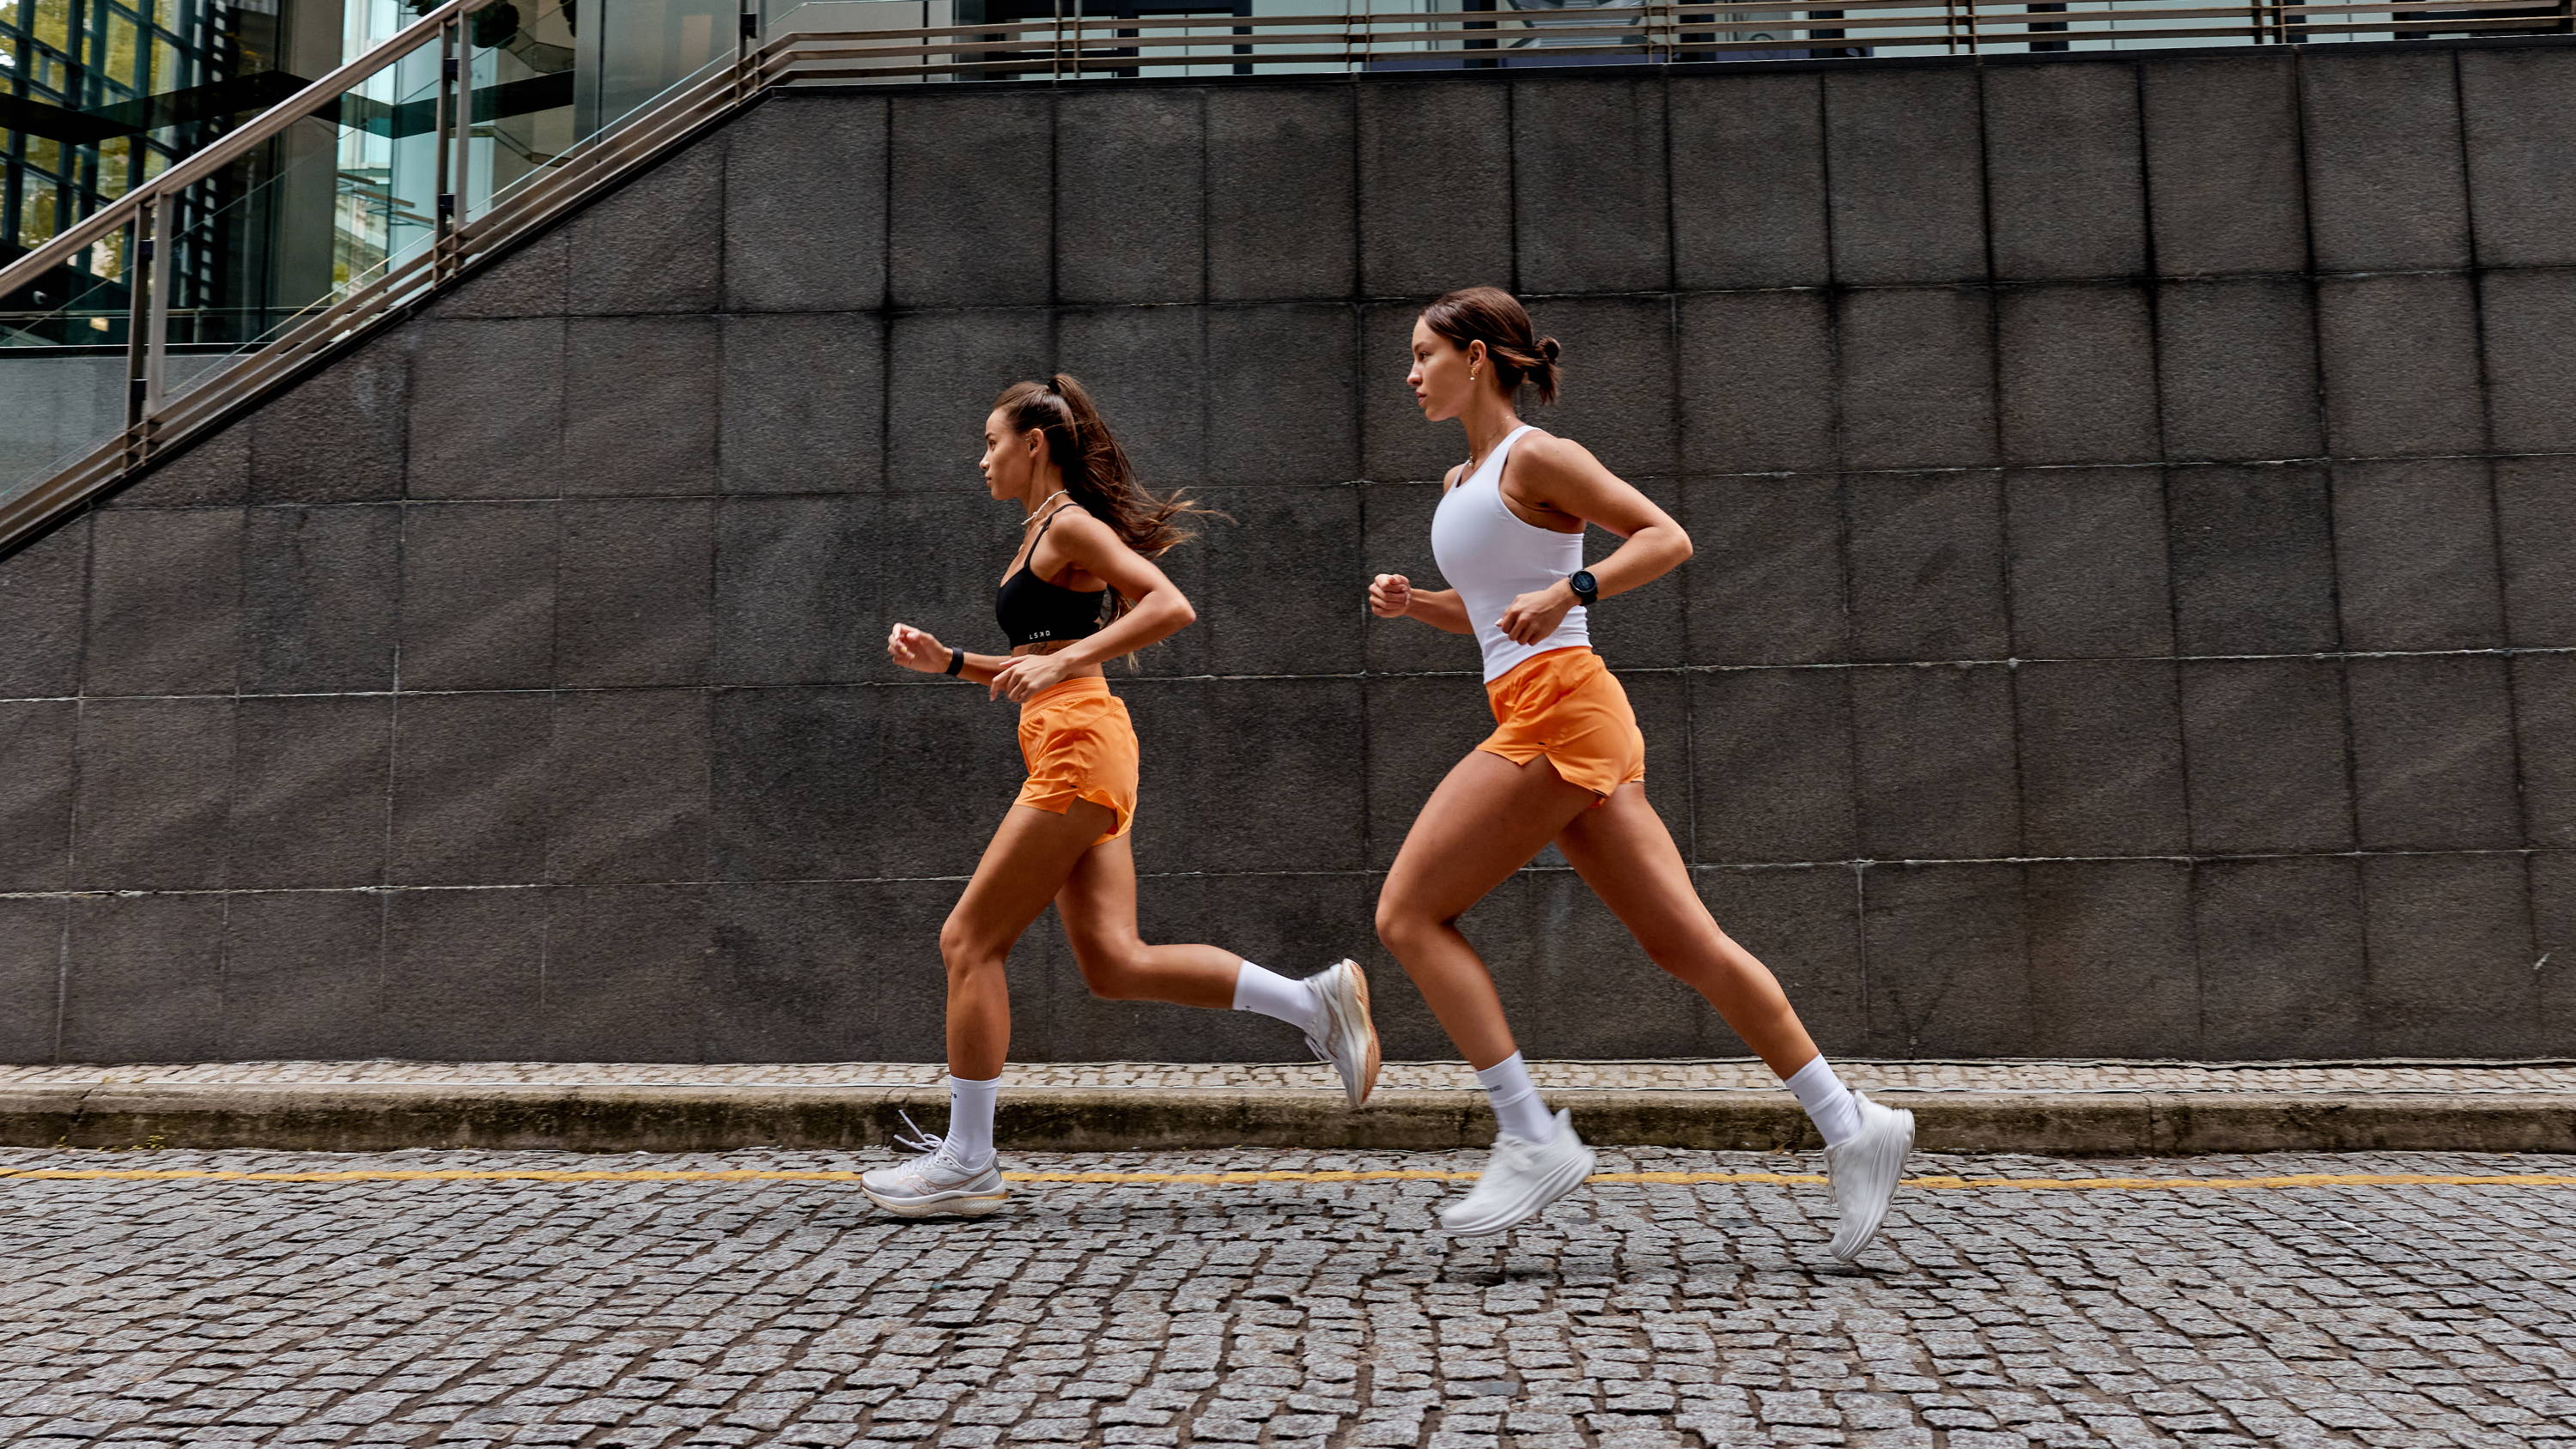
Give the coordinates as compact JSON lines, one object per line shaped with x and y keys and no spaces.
{"x":385,"y":1117}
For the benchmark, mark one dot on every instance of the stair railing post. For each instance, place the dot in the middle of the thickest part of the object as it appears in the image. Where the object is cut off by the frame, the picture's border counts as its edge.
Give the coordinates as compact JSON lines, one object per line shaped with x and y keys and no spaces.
{"x":156,"y":342}
{"x":464,"y":191}
{"x":138,"y":306}
{"x":442,"y":111}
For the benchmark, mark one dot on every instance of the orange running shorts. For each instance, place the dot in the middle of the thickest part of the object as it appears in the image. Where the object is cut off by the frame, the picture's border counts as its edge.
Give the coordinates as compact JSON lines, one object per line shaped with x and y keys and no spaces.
{"x":1079,"y":745}
{"x":1567,"y":705}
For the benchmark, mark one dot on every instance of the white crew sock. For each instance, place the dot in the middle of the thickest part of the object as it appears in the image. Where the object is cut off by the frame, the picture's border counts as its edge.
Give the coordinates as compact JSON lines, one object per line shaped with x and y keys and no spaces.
{"x":970,"y":1119}
{"x":1273,"y":995}
{"x":1516,"y":1101}
{"x":1830,"y":1104}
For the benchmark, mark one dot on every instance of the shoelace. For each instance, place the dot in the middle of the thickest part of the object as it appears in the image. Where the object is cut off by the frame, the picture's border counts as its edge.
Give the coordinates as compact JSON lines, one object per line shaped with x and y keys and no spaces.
{"x":919,"y":1141}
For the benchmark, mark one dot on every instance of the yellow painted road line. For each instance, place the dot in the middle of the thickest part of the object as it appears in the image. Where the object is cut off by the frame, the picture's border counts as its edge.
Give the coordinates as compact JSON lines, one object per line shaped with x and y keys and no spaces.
{"x":1227,"y":1179}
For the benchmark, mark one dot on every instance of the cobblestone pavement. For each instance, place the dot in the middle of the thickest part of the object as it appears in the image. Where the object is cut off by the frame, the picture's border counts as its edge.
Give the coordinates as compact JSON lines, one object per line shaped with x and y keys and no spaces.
{"x":368,"y":1310}
{"x":1725,"y":1075}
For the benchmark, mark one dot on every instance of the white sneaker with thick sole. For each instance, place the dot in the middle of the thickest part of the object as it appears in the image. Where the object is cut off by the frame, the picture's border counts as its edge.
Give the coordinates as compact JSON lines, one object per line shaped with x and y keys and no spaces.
{"x":1519,"y":1181}
{"x":1346,"y":1037}
{"x":1865,"y":1170}
{"x":935,"y":1184}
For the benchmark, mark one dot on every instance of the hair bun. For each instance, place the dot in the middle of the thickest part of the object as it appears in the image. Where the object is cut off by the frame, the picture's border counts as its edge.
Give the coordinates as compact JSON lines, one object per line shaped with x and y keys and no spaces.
{"x":1548,"y":349}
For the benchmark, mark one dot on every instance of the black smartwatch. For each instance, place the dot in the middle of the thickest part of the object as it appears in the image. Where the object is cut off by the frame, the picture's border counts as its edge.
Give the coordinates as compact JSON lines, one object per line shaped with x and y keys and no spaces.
{"x":956,"y":660}
{"x":1587,"y":589}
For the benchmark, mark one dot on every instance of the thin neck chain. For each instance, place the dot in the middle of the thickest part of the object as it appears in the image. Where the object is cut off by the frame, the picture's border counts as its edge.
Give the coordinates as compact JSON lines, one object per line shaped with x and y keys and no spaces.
{"x":1035,"y":514}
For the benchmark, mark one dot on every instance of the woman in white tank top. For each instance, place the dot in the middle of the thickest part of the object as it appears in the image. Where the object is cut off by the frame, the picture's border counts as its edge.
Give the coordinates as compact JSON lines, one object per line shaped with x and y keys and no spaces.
{"x":1565,"y":764}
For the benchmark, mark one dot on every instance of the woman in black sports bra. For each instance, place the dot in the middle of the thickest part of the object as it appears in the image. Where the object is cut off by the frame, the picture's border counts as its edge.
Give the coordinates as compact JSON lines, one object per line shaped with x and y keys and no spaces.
{"x":1082,"y":589}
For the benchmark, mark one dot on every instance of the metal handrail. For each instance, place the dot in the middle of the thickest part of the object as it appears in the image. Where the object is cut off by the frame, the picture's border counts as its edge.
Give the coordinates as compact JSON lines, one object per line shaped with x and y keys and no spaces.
{"x":232,"y":147}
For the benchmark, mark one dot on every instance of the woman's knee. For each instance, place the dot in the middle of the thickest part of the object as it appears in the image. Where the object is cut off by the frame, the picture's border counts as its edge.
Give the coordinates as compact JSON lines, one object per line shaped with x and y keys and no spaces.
{"x":967,"y":950}
{"x":1402,"y":926}
{"x":1110,"y":968}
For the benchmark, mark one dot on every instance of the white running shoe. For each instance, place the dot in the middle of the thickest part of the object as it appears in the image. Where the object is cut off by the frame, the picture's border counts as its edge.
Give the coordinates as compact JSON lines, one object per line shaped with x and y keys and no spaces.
{"x":1520,"y":1179}
{"x":1346,"y":1036}
{"x":935,"y":1183}
{"x":1865,"y":1170}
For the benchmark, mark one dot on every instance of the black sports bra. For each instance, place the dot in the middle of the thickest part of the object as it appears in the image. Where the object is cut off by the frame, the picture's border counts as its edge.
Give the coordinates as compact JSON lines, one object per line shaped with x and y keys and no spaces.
{"x":1033,"y":611}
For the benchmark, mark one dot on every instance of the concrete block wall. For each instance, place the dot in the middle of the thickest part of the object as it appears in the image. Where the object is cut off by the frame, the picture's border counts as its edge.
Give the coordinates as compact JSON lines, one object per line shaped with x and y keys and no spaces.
{"x":2135,"y":610}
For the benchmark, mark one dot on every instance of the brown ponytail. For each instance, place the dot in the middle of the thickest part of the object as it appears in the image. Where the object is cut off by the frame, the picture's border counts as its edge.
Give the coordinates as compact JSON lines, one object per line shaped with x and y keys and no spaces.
{"x":1096,"y":472}
{"x":1496,"y":318}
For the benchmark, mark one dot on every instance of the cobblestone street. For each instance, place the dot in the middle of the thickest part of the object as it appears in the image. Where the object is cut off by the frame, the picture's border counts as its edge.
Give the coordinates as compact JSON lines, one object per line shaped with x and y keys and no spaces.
{"x":764,"y":1308}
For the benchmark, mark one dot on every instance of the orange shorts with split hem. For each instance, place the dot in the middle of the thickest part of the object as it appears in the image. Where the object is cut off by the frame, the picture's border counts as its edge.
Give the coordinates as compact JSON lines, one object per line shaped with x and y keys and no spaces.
{"x":1079,"y":745}
{"x":1567,"y":705}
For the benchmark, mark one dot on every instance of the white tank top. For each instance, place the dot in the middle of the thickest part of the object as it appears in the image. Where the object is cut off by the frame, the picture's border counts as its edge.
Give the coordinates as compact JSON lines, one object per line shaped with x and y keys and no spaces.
{"x":1492,"y":556}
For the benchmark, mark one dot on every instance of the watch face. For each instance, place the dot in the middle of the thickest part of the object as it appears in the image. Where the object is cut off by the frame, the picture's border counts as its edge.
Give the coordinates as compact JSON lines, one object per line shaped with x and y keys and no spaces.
{"x":1582,"y":582}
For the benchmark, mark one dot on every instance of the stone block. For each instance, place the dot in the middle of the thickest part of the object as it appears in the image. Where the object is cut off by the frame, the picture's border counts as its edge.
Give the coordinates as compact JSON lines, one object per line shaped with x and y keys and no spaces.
{"x":2089,"y":574}
{"x":2451,"y":957}
{"x":1949,"y":969}
{"x":2536,"y":538}
{"x":1756,"y":387}
{"x":320,"y":598}
{"x":946,"y":186}
{"x":799,"y":591}
{"x":32,"y":938}
{"x":338,"y":435}
{"x":626,"y":973}
{"x":2386,"y":187}
{"x":1771,"y":764}
{"x":210,"y":471}
{"x":1926,"y":556}
{"x":1426,"y":230}
{"x":2518,"y":110}
{"x":1804,"y":923}
{"x":2101,"y":758}
{"x":2544,"y":716}
{"x":2224,"y":164}
{"x":632,"y":592}
{"x":2283,"y":969}
{"x":1765,"y":581}
{"x":627,"y":789}
{"x":1549,"y":941}
{"x":1196,"y":735}
{"x":478,"y":596}
{"x":44,"y":589}
{"x":1396,"y":532}
{"x":1593,"y":215}
{"x":1130,"y":189}
{"x":2077,"y":374}
{"x":2236,"y":370}
{"x":1661,"y":700}
{"x":2269,"y":765}
{"x":1905,"y":152}
{"x":526,"y":281}
{"x":2415,"y":555}
{"x":1277,"y":589}
{"x":2433,"y":753}
{"x":954,"y":365}
{"x":303,"y":976}
{"x":811,"y":971}
{"x":155,"y":785}
{"x":905,"y":781}
{"x":143,"y":979}
{"x":1917,"y":378}
{"x":2401,"y":365}
{"x":36,"y":739}
{"x":804,"y":400}
{"x":308,"y":806}
{"x":656,"y":243}
{"x":2066,"y":186}
{"x":1418,"y":727}
{"x":1282,"y":193}
{"x":1934,"y":759}
{"x":1146,"y":369}
{"x":641,"y":404}
{"x":1648,"y":627}
{"x":2527,"y":325}
{"x":1748,"y":180}
{"x":470,"y":789}
{"x":2113,"y":970}
{"x":2253,"y":560}
{"x":465,"y":976}
{"x":487,"y":410}
{"x":164,"y":607}
{"x":2553,"y":913}
{"x":1251,"y":438}
{"x":790,"y":244}
{"x":1396,"y":445}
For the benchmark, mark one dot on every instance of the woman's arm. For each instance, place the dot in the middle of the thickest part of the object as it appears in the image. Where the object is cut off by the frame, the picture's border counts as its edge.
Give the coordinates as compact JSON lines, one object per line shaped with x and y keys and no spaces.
{"x":915,"y":649}
{"x":1393,"y":596}
{"x":1157,"y":609}
{"x":1561,"y":475}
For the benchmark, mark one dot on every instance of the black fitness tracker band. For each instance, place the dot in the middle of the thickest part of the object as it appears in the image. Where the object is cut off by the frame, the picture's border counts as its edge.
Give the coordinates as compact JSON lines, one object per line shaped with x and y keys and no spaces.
{"x":1587,"y":589}
{"x":956,"y":660}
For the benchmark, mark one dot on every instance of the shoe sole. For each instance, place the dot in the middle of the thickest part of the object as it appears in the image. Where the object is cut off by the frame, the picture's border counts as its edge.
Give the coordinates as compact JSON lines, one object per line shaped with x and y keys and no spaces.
{"x":947,"y":1204}
{"x":1368,"y":1024}
{"x":1878,"y":1219}
{"x":1564,"y":1180}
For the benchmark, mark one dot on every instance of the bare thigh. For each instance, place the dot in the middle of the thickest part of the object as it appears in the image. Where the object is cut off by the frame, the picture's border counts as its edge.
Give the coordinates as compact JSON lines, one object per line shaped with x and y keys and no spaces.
{"x":1485,"y":821}
{"x":1032,"y":854}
